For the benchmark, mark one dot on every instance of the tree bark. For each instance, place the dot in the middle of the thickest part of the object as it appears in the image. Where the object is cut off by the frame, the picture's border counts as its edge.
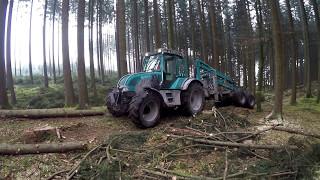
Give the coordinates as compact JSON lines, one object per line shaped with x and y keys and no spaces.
{"x":3,"y":92}
{"x":50,"y":113}
{"x":315,"y":6}
{"x":82,"y":81}
{"x":122,"y":37}
{"x":204,"y":54}
{"x":30,"y":39}
{"x":215,"y":52}
{"x":306,"y":48}
{"x":20,"y":149}
{"x":146,"y":22}
{"x":10,"y":81}
{"x":259,"y":93}
{"x":92,"y":69}
{"x":279,"y":59}
{"x":68,"y":86}
{"x":192,"y":26}
{"x":157,"y":33}
{"x":170,"y":24}
{"x":53,"y":39}
{"x":135,"y":34}
{"x":101,"y":47}
{"x":294,"y":50}
{"x":45,"y":72}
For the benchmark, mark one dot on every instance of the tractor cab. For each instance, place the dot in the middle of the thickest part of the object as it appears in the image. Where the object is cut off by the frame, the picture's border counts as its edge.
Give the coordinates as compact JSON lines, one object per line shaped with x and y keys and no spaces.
{"x":171,"y":65}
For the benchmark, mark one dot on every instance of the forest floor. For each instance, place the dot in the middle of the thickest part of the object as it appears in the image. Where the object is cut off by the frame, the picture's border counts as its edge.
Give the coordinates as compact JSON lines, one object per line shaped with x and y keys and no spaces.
{"x":137,"y":151}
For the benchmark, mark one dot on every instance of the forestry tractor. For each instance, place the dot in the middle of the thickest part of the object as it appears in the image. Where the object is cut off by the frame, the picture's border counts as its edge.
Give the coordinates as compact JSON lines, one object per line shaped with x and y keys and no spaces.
{"x":166,"y":82}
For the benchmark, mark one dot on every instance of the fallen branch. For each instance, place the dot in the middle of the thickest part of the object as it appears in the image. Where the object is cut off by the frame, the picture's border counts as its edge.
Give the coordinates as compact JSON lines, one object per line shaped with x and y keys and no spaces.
{"x":257,"y":133}
{"x":50,"y":113}
{"x":297,"y":131}
{"x":231,"y":144}
{"x":19,"y":149}
{"x":56,"y":174}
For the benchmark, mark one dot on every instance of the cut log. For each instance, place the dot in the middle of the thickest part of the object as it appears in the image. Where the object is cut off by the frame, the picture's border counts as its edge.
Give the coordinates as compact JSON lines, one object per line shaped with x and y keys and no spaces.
{"x":50,"y":113}
{"x":238,"y":145}
{"x":297,"y":131}
{"x":20,"y":149}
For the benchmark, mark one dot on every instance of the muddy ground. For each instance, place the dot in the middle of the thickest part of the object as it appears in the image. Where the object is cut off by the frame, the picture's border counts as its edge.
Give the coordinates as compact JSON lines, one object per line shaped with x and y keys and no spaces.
{"x":136,"y":151}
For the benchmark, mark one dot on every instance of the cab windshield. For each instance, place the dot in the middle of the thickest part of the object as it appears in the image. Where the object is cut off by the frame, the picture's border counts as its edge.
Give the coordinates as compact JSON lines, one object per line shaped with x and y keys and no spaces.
{"x":152,"y":63}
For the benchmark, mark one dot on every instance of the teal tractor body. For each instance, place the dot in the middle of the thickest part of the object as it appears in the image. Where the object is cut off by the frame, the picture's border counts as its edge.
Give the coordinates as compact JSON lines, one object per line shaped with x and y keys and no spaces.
{"x":167,"y":81}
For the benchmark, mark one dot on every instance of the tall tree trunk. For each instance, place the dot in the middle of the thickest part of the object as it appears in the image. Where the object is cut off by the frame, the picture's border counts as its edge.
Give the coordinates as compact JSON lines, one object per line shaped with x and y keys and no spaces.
{"x":97,"y":39}
{"x":157,"y":33}
{"x":45,"y":72}
{"x":294,"y":50}
{"x":192,"y":26}
{"x":101,"y":47}
{"x":259,"y":93}
{"x":215,"y":52}
{"x":315,"y":6}
{"x":306,"y":48}
{"x":170,"y":24}
{"x":82,"y":81}
{"x":30,"y":39}
{"x":68,"y":86}
{"x":53,"y":39}
{"x":92,"y":69}
{"x":202,"y":32}
{"x":59,"y":31}
{"x":121,"y":30}
{"x":4,"y":104}
{"x":279,"y":59}
{"x":136,"y":34}
{"x":9,"y":68}
{"x":146,"y":22}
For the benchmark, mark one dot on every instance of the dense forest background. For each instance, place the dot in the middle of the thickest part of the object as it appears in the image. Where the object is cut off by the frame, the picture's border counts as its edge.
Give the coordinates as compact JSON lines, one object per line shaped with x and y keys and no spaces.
{"x":263,"y":45}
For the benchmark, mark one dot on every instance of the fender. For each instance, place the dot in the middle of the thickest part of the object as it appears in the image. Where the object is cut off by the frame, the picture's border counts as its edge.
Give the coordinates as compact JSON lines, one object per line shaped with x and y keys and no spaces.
{"x":188,"y":82}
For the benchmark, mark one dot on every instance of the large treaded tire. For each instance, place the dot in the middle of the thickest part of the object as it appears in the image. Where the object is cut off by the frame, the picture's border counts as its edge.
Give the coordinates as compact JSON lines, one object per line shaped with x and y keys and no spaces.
{"x":111,"y":107}
{"x":144,"y":109}
{"x":193,"y":99}
{"x":239,"y":98}
{"x":250,"y":100}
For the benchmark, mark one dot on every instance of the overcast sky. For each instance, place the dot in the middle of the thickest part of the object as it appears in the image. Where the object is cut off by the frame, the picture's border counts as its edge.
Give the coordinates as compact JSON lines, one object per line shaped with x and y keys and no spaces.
{"x":20,"y":35}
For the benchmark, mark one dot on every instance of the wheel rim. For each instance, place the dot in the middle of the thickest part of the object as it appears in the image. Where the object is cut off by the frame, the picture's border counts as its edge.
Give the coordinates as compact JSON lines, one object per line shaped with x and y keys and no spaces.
{"x":150,"y":111}
{"x":196,"y":100}
{"x":242,"y":100}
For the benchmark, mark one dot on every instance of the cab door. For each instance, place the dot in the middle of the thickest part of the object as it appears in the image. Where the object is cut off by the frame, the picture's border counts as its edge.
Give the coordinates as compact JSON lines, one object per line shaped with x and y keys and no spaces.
{"x":170,"y":70}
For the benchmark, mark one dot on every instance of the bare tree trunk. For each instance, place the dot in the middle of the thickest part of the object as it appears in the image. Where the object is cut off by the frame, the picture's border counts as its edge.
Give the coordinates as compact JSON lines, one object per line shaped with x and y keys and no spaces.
{"x":53,"y":39}
{"x":202,"y":32}
{"x":259,"y":93}
{"x":294,"y":50}
{"x":101,"y":51}
{"x":68,"y":86}
{"x":279,"y":59}
{"x":215,"y":52}
{"x":315,"y":6}
{"x":135,"y":34}
{"x":146,"y":22}
{"x":97,"y":40}
{"x":30,"y":38}
{"x":157,"y":33}
{"x":3,"y":92}
{"x":82,"y":81}
{"x":59,"y":70}
{"x":9,"y":68}
{"x":192,"y":26}
{"x":306,"y":48}
{"x":121,"y":30}
{"x":92,"y":69}
{"x":170,"y":24}
{"x":45,"y":72}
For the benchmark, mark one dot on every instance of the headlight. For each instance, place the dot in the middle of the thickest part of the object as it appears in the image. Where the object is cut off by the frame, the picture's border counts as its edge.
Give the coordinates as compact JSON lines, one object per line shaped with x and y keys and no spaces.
{"x":124,"y":88}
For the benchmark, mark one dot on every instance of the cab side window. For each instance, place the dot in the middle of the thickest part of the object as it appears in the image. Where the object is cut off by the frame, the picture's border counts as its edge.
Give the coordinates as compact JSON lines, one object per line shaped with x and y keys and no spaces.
{"x":170,"y":67}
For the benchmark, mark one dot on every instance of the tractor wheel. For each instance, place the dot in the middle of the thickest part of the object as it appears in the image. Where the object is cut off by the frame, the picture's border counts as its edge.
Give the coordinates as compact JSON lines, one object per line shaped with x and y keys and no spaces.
{"x":144,"y":109}
{"x":239,"y":98}
{"x":112,"y":108}
{"x":250,"y":100}
{"x":193,"y":99}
